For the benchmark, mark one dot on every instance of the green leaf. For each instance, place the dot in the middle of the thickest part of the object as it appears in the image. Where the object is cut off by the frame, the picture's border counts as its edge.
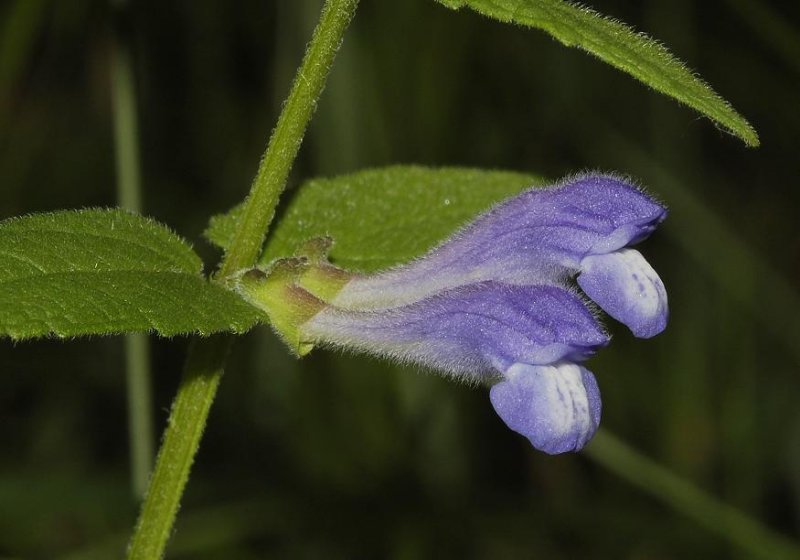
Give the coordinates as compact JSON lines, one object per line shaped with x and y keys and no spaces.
{"x":454,"y":4}
{"x":621,"y":47}
{"x":86,"y":272}
{"x":222,"y":227}
{"x":382,"y":217}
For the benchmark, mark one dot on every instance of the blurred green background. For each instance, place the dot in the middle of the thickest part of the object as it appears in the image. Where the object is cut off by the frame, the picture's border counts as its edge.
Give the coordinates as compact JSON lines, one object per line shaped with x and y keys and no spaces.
{"x":344,"y":457}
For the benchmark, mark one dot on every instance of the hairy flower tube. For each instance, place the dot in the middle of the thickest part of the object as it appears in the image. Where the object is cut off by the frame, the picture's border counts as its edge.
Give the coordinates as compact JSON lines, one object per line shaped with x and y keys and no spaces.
{"x":493,"y":302}
{"x":530,"y":336}
{"x":582,"y":225}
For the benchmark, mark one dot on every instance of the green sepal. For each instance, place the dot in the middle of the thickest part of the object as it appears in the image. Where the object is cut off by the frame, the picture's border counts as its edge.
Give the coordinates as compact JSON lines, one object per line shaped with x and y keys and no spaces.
{"x":320,"y":277}
{"x":276,"y":292}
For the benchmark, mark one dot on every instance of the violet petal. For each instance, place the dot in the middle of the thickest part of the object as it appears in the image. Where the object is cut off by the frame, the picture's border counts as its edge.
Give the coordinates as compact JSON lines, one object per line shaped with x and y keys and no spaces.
{"x":539,"y":236}
{"x":473,"y":331}
{"x":626,"y":287}
{"x":556,"y":407}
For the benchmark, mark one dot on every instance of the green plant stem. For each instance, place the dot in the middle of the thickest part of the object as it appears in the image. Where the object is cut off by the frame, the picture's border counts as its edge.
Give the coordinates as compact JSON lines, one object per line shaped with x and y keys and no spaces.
{"x":205,"y":363}
{"x":187,"y":420}
{"x":259,"y":207}
{"x":137,"y":346}
{"x":685,"y":498}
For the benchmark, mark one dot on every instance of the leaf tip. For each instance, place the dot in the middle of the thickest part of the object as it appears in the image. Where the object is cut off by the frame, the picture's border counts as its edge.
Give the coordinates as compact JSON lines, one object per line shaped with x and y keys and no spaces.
{"x":741,"y":129}
{"x":751,"y":138}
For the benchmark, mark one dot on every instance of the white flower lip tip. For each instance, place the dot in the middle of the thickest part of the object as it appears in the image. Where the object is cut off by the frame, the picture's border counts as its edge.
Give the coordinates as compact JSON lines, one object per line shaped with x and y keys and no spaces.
{"x":556,"y":407}
{"x":626,"y":287}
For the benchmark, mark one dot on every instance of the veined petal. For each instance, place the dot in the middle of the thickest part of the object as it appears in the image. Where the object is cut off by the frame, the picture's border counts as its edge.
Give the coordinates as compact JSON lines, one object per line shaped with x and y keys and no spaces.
{"x":539,"y":236}
{"x":556,"y":407}
{"x":473,"y":331}
{"x":626,"y":287}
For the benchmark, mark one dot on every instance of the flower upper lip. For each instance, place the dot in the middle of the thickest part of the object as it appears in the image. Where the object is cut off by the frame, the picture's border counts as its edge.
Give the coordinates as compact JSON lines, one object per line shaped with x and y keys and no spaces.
{"x":539,"y":236}
{"x":628,"y":234}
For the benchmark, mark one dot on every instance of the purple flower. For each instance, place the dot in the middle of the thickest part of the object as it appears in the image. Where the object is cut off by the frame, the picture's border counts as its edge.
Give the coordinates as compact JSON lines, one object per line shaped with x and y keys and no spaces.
{"x":544,"y":235}
{"x":527,"y":335}
{"x":474,"y":331}
{"x":557,"y":407}
{"x":626,"y":287}
{"x":493,"y":302}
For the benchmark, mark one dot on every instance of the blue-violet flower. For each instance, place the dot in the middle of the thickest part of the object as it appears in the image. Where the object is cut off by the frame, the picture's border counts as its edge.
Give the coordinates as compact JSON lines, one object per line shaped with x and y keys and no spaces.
{"x":544,"y":235}
{"x":494,"y":302}
{"x":529,"y":335}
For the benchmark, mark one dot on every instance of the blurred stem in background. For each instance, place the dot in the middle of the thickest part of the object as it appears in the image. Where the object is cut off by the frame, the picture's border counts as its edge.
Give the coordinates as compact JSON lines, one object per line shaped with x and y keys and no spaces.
{"x":22,"y":21}
{"x":682,"y":496}
{"x":718,"y":250}
{"x":206,"y":360}
{"x":129,"y":196}
{"x":688,"y":385}
{"x":770,"y":27}
{"x":749,"y":281}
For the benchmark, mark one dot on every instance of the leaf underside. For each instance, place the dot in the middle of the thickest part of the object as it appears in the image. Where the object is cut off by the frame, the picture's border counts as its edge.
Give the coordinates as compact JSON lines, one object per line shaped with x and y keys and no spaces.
{"x":620,"y":46}
{"x":101,"y":271}
{"x":381,"y":217}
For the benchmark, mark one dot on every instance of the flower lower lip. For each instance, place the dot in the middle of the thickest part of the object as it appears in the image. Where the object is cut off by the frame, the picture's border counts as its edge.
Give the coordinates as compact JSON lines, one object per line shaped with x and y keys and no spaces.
{"x":485,"y":323}
{"x":556,"y":407}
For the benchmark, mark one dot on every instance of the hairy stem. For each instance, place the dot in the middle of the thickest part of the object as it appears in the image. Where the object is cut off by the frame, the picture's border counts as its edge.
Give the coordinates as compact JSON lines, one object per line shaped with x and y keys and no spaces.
{"x":137,"y":347}
{"x":206,"y":359}
{"x":185,"y":427}
{"x":273,"y":171}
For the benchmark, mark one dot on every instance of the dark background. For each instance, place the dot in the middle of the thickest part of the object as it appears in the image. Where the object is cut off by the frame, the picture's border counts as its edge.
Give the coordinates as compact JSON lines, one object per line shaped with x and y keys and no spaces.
{"x":343,"y":457}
